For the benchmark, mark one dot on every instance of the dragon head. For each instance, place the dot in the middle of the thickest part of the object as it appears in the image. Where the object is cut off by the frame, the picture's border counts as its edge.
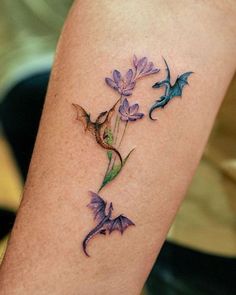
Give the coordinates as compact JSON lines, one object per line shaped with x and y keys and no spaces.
{"x":157,"y":85}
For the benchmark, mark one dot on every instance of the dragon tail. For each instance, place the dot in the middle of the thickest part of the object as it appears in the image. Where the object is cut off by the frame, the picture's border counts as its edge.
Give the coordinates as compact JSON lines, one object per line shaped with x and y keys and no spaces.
{"x":161,"y":103}
{"x":89,"y":236}
{"x":117,"y":152}
{"x":108,"y":146}
{"x":152,"y":109}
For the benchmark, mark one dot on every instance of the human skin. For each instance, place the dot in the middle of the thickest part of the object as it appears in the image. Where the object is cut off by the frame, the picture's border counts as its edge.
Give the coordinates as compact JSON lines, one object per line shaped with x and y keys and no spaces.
{"x":44,"y":255}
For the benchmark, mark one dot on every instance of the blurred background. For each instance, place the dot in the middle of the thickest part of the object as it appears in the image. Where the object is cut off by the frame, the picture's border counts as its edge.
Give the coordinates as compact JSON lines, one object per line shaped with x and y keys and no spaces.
{"x":199,"y":255}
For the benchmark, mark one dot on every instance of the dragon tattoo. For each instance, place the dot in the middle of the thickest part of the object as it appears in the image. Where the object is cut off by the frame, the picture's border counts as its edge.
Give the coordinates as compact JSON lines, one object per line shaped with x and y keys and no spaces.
{"x":105,"y":222}
{"x":109,"y":130}
{"x":171,"y":91}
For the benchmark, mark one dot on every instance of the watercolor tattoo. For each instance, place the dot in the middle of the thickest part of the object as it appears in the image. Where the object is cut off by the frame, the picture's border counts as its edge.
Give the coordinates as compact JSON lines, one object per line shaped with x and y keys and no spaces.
{"x":109,"y":130}
{"x":170,"y":90}
{"x":105,"y":223}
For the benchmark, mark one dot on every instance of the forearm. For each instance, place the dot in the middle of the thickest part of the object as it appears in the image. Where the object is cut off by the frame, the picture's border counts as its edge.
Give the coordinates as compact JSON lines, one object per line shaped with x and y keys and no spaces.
{"x":45,"y":254}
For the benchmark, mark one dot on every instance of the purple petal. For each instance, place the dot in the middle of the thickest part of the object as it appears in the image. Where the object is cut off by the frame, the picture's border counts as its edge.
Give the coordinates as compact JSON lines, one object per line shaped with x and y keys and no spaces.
{"x":122,"y":110}
{"x":141,"y":64}
{"x":155,"y":71}
{"x":126,"y":92}
{"x":130,"y":86}
{"x":116,"y":76}
{"x":137,"y":116}
{"x":129,"y":76}
{"x":132,"y":119}
{"x":123,"y":113}
{"x":111,"y":83}
{"x":149,"y":67}
{"x":126,"y":105}
{"x":124,"y":117}
{"x":133,"y":109}
{"x":135,"y":61}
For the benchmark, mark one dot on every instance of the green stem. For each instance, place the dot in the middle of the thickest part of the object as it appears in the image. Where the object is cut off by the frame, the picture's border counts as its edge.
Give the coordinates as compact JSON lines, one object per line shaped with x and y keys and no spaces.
{"x":116,"y":122}
{"x":115,"y":134}
{"x":117,"y":126}
{"x":126,"y":124}
{"x":122,"y":137}
{"x":117,"y":129}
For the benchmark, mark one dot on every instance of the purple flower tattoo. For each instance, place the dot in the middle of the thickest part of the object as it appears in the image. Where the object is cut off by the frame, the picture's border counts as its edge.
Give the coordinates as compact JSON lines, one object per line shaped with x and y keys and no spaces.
{"x":143,"y":67}
{"x":125,"y":85}
{"x":129,"y":112}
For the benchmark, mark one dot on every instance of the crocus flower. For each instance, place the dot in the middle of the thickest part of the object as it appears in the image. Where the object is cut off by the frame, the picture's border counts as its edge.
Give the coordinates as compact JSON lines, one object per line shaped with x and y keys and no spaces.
{"x":129,"y":112}
{"x":143,"y":67}
{"x":124,"y":85}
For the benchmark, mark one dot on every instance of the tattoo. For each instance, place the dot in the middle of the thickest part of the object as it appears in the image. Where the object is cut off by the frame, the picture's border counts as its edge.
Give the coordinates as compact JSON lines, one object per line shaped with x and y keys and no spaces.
{"x":105,"y":223}
{"x":109,"y":130}
{"x":99,"y":127}
{"x":170,"y":90}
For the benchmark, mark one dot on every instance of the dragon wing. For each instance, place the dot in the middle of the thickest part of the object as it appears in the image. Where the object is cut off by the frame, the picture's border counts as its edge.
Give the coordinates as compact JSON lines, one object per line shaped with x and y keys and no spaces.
{"x":84,"y":118}
{"x":103,"y":127}
{"x":164,"y":82}
{"x":167,"y":71}
{"x":168,"y":74}
{"x":107,"y":115}
{"x":98,"y":206}
{"x":120,"y":223}
{"x":181,"y":81}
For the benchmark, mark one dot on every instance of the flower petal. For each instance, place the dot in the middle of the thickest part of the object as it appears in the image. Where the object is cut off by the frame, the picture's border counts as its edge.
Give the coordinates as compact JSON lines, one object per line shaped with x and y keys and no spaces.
{"x":126,"y":105}
{"x":129,"y":76}
{"x":137,"y":116}
{"x":141,"y":64}
{"x":126,"y":92}
{"x":133,"y":109}
{"x":130,"y":86}
{"x":124,"y":118}
{"x":135,"y":61}
{"x":131,"y":119}
{"x":122,"y":110}
{"x":150,"y":72}
{"x":111,"y":83}
{"x":116,"y":76}
{"x":155,"y":71}
{"x":149,"y":67}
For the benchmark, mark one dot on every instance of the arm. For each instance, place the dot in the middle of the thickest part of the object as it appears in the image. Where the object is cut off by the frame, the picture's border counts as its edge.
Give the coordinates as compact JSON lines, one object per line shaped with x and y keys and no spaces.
{"x":45,"y":253}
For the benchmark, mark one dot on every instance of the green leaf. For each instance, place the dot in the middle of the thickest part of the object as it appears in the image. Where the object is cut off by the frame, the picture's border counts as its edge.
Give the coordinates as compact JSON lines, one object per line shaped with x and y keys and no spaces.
{"x":109,"y":136}
{"x":109,"y":155}
{"x":126,"y":158}
{"x":116,"y":169}
{"x":111,"y":175}
{"x":109,"y":140}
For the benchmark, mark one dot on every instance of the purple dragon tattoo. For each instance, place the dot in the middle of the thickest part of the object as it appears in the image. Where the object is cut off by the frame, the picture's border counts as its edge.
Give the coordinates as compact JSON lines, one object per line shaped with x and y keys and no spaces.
{"x":109,"y":129}
{"x":105,"y":222}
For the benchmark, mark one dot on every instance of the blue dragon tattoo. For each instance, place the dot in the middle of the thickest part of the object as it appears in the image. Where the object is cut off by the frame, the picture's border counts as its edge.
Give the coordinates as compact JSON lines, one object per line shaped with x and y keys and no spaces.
{"x":171,"y":91}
